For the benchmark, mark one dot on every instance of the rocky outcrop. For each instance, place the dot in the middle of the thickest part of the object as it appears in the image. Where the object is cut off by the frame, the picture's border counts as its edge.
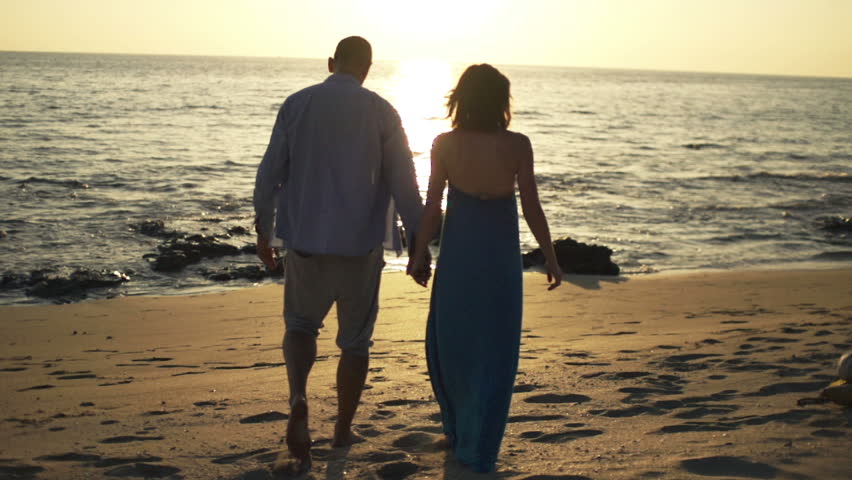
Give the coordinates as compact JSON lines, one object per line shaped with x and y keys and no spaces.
{"x":63,"y":284}
{"x":253,"y":273}
{"x":576,"y":257}
{"x":178,"y":252}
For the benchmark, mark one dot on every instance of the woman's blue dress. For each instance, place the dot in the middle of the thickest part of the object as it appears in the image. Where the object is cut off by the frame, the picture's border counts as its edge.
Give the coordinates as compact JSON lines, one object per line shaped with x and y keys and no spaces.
{"x":474,"y":327}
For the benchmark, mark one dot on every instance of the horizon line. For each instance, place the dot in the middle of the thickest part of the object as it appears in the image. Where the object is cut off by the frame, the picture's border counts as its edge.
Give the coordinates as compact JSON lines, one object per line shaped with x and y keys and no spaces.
{"x":588,"y":67}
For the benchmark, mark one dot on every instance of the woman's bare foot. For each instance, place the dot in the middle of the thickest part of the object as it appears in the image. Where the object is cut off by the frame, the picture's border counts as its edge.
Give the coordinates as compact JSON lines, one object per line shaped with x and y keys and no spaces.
{"x":298,"y":436}
{"x":444,"y":443}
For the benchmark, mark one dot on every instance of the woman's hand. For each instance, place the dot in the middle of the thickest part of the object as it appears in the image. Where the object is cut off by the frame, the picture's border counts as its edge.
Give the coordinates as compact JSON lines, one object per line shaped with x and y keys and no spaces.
{"x":554,"y":274}
{"x":420,"y":269}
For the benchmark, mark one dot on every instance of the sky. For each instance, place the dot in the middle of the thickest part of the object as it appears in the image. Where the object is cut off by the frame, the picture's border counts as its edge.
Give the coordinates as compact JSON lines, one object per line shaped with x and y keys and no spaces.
{"x":784,"y":37}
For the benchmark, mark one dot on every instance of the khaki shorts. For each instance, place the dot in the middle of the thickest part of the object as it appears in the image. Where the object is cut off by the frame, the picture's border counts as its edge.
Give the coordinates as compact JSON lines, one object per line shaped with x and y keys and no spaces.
{"x":312,"y":283}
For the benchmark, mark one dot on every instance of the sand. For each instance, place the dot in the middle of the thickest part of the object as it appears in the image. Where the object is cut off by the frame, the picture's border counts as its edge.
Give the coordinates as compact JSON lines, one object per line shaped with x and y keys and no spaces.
{"x":657,"y":377}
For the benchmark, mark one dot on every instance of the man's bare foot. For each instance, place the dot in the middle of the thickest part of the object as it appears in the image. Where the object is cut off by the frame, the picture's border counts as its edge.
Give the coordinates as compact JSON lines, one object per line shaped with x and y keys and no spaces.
{"x":298,"y":437}
{"x":292,"y":468}
{"x":345,"y":438}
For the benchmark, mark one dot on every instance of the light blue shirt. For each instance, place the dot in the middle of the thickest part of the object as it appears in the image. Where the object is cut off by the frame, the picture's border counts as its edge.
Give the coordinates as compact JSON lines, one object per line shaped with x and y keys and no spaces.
{"x":337,"y":156}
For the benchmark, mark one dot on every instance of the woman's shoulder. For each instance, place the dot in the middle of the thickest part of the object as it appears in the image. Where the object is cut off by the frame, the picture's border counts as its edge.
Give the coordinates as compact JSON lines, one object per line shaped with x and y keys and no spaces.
{"x":517,"y":137}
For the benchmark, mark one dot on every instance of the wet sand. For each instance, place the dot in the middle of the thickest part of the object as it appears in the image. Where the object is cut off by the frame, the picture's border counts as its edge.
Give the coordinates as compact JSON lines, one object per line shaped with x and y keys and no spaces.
{"x":658,"y":377}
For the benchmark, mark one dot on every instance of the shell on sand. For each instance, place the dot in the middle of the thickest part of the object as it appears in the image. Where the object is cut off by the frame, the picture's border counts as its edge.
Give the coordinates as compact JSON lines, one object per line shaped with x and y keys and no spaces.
{"x":844,"y":366}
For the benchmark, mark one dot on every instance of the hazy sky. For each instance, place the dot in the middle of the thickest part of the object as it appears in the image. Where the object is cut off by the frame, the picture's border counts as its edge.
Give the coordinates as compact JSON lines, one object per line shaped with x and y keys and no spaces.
{"x":796,"y":37}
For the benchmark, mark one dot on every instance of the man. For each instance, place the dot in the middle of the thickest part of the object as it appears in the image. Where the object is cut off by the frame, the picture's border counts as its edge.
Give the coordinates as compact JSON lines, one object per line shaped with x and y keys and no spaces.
{"x":337,"y":156}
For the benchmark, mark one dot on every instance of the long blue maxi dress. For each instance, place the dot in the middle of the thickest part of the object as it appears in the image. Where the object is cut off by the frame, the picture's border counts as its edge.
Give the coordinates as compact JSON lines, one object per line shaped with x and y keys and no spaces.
{"x":474,"y":327}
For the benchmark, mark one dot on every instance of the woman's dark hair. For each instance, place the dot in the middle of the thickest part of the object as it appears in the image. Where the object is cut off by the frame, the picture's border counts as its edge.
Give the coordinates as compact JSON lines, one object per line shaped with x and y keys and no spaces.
{"x":480,"y":101}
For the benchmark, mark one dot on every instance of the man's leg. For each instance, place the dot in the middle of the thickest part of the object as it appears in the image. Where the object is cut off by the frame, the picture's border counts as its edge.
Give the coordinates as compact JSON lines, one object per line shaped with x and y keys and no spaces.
{"x":357,"y":308}
{"x":300,"y":351}
{"x":305,"y":307}
{"x":351,"y":375}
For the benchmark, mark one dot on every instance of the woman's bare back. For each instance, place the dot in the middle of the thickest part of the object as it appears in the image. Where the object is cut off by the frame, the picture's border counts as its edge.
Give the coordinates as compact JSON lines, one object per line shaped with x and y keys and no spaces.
{"x":482,"y":164}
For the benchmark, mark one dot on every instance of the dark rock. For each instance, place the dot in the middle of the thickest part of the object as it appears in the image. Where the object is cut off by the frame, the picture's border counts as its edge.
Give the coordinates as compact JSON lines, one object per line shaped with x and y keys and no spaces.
{"x":51,"y":284}
{"x":173,"y":261}
{"x":238,"y":230}
{"x":153,"y":228}
{"x":184,"y":250}
{"x":248,"y":272}
{"x":576,"y":257}
{"x":836,"y":224}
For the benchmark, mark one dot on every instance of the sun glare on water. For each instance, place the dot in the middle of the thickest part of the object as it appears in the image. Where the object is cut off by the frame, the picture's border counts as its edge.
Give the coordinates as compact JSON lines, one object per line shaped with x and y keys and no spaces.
{"x":419,"y":90}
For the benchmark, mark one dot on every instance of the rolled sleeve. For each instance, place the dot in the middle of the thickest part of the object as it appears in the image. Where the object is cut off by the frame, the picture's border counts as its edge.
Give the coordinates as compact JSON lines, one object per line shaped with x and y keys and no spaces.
{"x":271,"y":177}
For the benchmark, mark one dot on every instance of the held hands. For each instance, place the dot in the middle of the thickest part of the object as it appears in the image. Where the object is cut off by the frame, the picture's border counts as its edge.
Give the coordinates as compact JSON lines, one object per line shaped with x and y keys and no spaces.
{"x":266,"y":253}
{"x":420,"y":268}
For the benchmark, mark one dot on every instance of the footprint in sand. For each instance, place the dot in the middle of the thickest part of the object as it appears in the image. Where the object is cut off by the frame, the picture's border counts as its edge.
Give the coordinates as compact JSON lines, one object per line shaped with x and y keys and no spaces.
{"x":556,"y":477}
{"x":640,"y":394}
{"x":792,"y":387}
{"x":152,"y":359}
{"x":790,"y":417}
{"x":131,"y":438}
{"x":157,"y":413}
{"x":533,"y":418}
{"x":37,"y":387}
{"x":234,"y":457}
{"x":382,"y":415}
{"x":426,"y":429}
{"x":19,"y":470}
{"x":724,"y":466}
{"x":524,"y":388}
{"x":383,"y":457}
{"x":144,"y":470}
{"x":633,"y":411}
{"x":401,"y":402}
{"x":367,"y":431}
{"x":116,"y":461}
{"x":397,"y":470}
{"x":413,"y":442}
{"x":556,"y":398}
{"x":703,"y":411}
{"x":567,"y":436}
{"x":69,"y":457}
{"x":272,"y":416}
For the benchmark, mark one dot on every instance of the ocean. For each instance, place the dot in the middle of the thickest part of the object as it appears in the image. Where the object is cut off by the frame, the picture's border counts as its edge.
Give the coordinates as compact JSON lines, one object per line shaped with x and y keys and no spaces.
{"x":672,"y":171}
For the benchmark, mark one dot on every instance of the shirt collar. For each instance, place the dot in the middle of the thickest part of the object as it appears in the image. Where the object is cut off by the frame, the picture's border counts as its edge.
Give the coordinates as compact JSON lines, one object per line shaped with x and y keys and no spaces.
{"x":343,"y":77}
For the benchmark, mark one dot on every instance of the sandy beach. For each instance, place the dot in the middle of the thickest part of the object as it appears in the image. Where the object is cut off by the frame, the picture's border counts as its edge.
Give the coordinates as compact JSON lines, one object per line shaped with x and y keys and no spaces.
{"x":653,"y":377}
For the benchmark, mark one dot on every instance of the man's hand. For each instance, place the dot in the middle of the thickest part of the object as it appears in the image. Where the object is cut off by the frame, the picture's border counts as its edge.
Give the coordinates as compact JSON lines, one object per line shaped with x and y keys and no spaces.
{"x":266,"y":254}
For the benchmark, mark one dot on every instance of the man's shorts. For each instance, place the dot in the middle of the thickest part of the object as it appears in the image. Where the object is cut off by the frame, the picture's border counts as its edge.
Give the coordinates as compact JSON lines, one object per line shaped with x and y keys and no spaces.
{"x":312,"y":283}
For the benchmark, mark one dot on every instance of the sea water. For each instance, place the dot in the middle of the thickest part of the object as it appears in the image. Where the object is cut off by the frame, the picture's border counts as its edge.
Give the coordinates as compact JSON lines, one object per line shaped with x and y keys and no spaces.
{"x":673,"y":171}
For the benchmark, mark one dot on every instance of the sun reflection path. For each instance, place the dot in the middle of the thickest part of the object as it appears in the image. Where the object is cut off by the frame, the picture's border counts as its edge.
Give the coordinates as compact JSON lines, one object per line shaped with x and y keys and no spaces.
{"x":419,"y":90}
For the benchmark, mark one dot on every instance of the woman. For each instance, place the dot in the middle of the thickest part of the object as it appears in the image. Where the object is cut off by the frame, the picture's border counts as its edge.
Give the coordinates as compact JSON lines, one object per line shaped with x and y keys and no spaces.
{"x":474,"y":327}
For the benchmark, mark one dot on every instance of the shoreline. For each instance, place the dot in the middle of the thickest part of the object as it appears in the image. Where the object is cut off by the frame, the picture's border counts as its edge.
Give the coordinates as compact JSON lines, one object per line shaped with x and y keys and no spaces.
{"x":224,"y":287}
{"x":657,"y":376}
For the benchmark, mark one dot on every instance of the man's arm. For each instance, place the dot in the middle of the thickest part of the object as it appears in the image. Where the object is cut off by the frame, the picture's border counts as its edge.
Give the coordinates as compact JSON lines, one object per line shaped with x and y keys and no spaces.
{"x":398,"y":170}
{"x":272,"y":174}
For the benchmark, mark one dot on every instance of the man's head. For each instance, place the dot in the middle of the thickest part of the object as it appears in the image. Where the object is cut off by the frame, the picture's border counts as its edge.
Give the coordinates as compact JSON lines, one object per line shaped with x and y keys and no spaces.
{"x":354,"y":56}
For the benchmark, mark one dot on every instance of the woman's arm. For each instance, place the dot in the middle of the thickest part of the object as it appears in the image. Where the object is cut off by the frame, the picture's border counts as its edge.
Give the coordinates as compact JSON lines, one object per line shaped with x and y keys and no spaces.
{"x":430,"y":218}
{"x":533,"y":213}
